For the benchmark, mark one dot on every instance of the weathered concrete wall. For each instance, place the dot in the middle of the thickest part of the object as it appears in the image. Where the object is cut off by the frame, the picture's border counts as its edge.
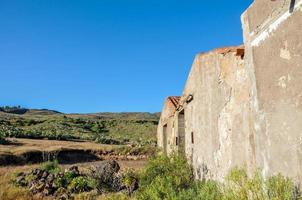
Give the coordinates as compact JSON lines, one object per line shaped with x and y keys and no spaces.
{"x":246,"y":112}
{"x":167,"y":121}
{"x":215,"y":103}
{"x":218,"y":115}
{"x":273,"y":40}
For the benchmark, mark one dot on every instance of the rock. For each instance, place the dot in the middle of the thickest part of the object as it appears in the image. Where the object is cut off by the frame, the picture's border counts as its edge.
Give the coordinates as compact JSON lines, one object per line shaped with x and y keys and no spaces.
{"x":60,"y":174}
{"x":62,"y":194}
{"x":46,"y":192}
{"x":37,"y":172}
{"x":48,"y":189}
{"x":37,"y":186}
{"x":117,"y":183}
{"x":40,"y":186}
{"x":45,"y":174}
{"x":50,"y":178}
{"x":132,"y":187}
{"x":32,"y":187}
{"x":34,"y":171}
{"x":41,"y":182}
{"x":109,"y":178}
{"x":106,"y":170}
{"x":74,"y":170}
{"x":64,"y":197}
{"x":20,"y":180}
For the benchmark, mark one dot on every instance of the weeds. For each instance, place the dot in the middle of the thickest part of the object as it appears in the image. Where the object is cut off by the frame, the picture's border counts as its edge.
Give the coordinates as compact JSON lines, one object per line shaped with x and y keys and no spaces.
{"x":82,"y":184}
{"x":130,"y":180}
{"x":51,"y":167}
{"x":164,"y":177}
{"x":171,"y":178}
{"x":280,"y":187}
{"x":239,"y":186}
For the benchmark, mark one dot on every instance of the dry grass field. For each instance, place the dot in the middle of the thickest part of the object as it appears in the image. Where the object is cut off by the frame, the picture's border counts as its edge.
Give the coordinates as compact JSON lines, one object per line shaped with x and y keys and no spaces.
{"x":30,"y":151}
{"x":19,"y":145}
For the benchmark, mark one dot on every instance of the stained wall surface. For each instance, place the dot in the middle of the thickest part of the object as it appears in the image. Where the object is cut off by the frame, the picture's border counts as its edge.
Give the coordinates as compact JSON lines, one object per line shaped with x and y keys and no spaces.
{"x":273,"y":40}
{"x":215,"y":117}
{"x":243,"y":106}
{"x":215,"y":108}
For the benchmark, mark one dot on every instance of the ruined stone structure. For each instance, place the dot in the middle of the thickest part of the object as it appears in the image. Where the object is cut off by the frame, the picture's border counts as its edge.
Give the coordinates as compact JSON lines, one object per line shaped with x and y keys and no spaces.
{"x":242,"y":106}
{"x":273,"y":40}
{"x":166,"y":132}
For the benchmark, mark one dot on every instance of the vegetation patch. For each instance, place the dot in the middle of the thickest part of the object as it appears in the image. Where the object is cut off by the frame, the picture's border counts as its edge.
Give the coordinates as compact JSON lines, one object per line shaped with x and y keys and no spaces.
{"x":105,"y":128}
{"x":49,"y":180}
{"x":163,"y":178}
{"x":2,"y":139}
{"x":172,"y":178}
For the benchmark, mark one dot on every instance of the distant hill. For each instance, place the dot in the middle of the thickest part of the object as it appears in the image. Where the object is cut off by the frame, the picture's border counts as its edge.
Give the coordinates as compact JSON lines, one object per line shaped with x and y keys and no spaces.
{"x":21,"y":111}
{"x":109,"y":128}
{"x":13,"y":110}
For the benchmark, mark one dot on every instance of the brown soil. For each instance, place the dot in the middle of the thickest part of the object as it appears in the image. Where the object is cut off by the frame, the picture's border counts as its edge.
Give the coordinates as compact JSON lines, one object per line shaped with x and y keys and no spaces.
{"x":30,"y":151}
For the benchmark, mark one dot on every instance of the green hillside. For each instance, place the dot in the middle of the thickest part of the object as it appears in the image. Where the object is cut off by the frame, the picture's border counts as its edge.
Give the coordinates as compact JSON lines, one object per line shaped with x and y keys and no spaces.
{"x":109,"y":128}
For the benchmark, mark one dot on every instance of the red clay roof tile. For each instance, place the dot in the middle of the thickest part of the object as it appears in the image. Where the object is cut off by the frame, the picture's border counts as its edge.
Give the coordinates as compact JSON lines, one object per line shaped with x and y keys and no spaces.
{"x":174,"y":100}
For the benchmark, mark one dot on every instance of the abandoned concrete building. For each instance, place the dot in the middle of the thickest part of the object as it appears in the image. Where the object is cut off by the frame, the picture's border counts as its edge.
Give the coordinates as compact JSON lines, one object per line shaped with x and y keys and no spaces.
{"x":242,"y":106}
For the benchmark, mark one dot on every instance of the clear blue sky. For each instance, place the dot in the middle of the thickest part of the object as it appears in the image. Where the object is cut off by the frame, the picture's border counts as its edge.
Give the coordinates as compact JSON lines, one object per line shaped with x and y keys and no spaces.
{"x":107,"y":55}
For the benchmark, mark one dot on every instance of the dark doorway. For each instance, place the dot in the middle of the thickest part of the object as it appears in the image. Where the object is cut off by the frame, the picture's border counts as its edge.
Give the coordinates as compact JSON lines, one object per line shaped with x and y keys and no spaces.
{"x":292,"y":6}
{"x":165,"y":138}
{"x":181,"y":132}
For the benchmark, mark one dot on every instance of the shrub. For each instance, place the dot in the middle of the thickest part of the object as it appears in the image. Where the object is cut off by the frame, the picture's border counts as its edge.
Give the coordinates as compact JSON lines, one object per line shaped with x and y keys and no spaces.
{"x":108,"y":129}
{"x":236,"y":186}
{"x":130,"y":180}
{"x":164,"y":177}
{"x":82,"y":184}
{"x":68,"y":177}
{"x":202,"y":190}
{"x":171,"y":178}
{"x":51,"y":167}
{"x":65,"y":180}
{"x":2,"y":138}
{"x":239,"y":186}
{"x":280,"y":187}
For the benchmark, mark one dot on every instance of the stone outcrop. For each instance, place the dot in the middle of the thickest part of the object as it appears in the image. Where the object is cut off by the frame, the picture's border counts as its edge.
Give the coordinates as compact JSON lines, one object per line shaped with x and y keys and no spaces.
{"x":104,"y":177}
{"x":241,"y":106}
